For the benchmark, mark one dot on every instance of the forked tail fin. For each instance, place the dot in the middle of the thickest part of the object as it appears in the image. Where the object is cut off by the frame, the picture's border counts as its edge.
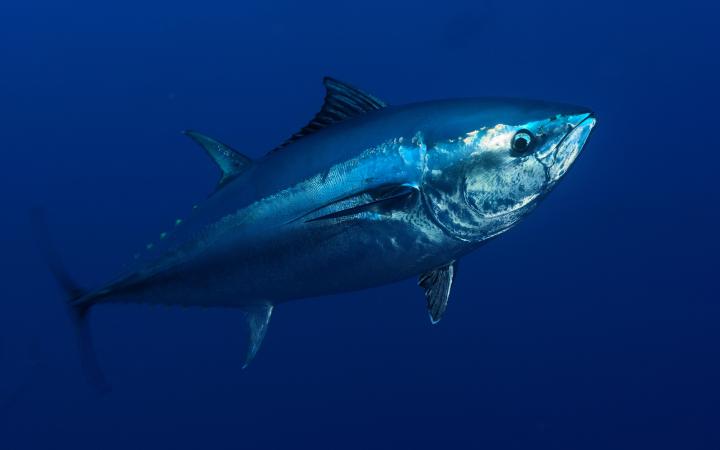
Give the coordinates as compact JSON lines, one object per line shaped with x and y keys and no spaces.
{"x":78,"y":310}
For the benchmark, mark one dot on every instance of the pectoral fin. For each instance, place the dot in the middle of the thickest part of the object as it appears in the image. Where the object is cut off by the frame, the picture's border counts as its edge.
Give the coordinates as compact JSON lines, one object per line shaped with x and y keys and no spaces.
{"x":379,"y":200}
{"x":257,"y":320}
{"x":437,"y":285}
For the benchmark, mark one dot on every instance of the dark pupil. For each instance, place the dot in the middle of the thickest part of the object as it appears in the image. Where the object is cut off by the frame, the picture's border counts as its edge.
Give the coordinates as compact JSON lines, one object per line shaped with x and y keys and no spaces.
{"x":521,"y":143}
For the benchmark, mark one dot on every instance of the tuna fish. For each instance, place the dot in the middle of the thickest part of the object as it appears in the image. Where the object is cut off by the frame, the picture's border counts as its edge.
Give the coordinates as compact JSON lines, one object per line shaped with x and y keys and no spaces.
{"x":365,"y":194}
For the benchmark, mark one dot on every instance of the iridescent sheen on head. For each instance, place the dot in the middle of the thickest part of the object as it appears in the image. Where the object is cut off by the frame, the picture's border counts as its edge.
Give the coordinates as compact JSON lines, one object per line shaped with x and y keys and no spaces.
{"x":488,"y":175}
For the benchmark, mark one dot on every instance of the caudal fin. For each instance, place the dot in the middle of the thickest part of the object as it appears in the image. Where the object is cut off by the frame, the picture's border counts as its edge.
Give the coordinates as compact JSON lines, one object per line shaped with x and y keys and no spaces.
{"x":77,"y":309}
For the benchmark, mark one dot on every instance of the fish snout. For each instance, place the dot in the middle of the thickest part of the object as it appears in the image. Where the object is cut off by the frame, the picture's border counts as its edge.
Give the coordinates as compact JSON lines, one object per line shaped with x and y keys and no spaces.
{"x":570,"y":146}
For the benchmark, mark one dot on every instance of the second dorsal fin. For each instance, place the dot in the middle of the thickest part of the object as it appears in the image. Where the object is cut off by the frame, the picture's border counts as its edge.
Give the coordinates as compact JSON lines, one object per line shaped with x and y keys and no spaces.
{"x":231,"y":162}
{"x":342,"y":101}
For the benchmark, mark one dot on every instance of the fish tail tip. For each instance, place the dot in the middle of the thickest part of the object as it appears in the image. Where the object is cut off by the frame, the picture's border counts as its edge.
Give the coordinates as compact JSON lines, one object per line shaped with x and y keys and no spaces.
{"x":77,"y":301}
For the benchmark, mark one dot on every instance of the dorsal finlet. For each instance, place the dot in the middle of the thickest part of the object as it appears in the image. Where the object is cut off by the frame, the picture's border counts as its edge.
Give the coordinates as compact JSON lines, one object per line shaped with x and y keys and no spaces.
{"x":231,"y":162}
{"x":342,"y":101}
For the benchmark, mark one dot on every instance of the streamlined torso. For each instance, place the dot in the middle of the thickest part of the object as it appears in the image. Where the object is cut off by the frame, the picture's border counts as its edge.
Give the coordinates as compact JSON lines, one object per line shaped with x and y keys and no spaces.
{"x":339,"y":210}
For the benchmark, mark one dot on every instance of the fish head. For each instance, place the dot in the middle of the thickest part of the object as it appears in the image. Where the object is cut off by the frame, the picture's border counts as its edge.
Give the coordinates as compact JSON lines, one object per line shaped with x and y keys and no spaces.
{"x":493,"y":165}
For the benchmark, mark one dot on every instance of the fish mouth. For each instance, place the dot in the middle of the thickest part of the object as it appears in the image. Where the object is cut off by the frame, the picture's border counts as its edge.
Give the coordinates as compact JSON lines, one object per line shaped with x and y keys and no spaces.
{"x":567,"y":150}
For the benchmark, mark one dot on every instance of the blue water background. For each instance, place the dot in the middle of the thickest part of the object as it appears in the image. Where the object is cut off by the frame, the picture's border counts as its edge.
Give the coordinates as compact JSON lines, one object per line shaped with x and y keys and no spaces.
{"x":593,"y":324}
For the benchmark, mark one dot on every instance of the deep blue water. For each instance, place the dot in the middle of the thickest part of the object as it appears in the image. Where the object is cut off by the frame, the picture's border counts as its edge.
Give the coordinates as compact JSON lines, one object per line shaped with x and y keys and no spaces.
{"x":595,"y":323}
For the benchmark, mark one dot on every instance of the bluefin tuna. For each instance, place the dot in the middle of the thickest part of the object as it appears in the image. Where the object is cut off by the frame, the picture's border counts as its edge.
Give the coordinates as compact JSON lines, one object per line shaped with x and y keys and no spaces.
{"x":364,"y":195}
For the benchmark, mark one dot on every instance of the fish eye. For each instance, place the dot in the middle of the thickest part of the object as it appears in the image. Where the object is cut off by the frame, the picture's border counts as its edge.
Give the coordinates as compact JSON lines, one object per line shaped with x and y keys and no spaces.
{"x":522,"y":142}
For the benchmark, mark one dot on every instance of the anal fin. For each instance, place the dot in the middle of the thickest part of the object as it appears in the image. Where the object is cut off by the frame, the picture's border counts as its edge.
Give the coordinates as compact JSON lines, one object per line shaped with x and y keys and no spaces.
{"x":257,"y":320}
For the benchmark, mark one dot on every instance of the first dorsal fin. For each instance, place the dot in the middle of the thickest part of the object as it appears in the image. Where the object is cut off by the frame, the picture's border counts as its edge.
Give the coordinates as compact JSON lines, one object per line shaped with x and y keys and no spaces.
{"x":342,"y":101}
{"x":231,"y":162}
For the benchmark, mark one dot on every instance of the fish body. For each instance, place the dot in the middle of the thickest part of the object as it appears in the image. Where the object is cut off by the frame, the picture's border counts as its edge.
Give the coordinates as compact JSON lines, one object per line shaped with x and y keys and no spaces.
{"x":366,"y":194}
